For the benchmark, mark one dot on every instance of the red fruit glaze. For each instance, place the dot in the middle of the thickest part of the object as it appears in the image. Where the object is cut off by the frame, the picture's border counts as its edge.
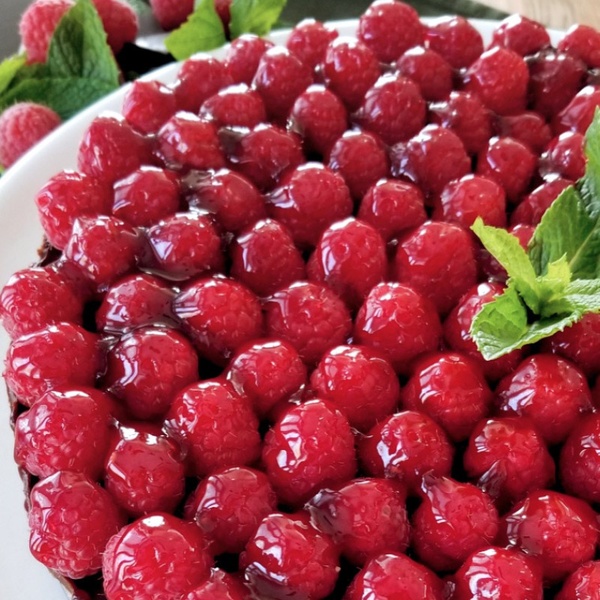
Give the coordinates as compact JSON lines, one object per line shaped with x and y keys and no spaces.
{"x":148,"y":105}
{"x":528,"y":127}
{"x":582,"y":584}
{"x":521,"y":35}
{"x":235,"y":106}
{"x":432,"y":73}
{"x":533,"y":206}
{"x":564,"y":157}
{"x":243,"y":55}
{"x":220,"y":586}
{"x":455,"y":39}
{"x":309,"y":40}
{"x":583,"y":42}
{"x":578,"y":114}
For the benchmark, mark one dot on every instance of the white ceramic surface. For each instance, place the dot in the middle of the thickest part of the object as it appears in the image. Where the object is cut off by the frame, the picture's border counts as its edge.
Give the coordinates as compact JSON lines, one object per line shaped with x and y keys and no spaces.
{"x":21,"y":577}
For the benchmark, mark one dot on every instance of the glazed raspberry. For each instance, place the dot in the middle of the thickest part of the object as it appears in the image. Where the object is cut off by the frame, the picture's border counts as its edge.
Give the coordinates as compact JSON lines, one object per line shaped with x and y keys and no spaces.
{"x":561,"y":530}
{"x":405,"y":447}
{"x":219,"y":315}
{"x":319,"y":117}
{"x":65,"y":430}
{"x":103,"y":248}
{"x":432,"y":73}
{"x":364,"y":517}
{"x":158,"y":556}
{"x":390,"y":28}
{"x":144,"y":471}
{"x":265,"y":153}
{"x":578,"y":114}
{"x":37,"y":25}
{"x":36,"y":297}
{"x":185,"y":245}
{"x":509,"y":458}
{"x":583,"y":42}
{"x":220,"y":586}
{"x":399,"y":322}
{"x":61,"y":355}
{"x":500,"y":78}
{"x":228,"y":506}
{"x":533,"y":206}
{"x":120,"y":22}
{"x":264,"y":258}
{"x":350,"y":258}
{"x":243,"y":55}
{"x":135,"y":301}
{"x":499,"y":573}
{"x":430,"y":159}
{"x":350,"y":68}
{"x":267,"y":372}
{"x":288,"y":558}
{"x":550,"y":391}
{"x":235,"y":106}
{"x":528,"y":127}
{"x":393,"y":108}
{"x":467,"y":117}
{"x":582,"y":584}
{"x":71,"y":519}
{"x":170,"y":14}
{"x":280,"y":78}
{"x":521,"y":35}
{"x":309,"y":40}
{"x":223,"y":10}
{"x":215,"y":427}
{"x":308,"y":200}
{"x":22,"y":126}
{"x":111,"y":149}
{"x":148,"y":105}
{"x":146,"y":196}
{"x":564,"y":157}
{"x":455,"y":39}
{"x":392,"y":576}
{"x":454,"y":520}
{"x":469,"y":197}
{"x":232,"y":199}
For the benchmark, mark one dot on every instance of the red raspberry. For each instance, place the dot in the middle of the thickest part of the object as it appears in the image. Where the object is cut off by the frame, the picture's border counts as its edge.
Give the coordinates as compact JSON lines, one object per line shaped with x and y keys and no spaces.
{"x":399,"y":322}
{"x":158,"y":556}
{"x":509,"y":458}
{"x":228,"y":506}
{"x":319,"y":117}
{"x":432,"y":73}
{"x":405,"y":447}
{"x":390,"y":28}
{"x":583,"y":42}
{"x":311,"y":446}
{"x":148,"y":105}
{"x":219,"y":315}
{"x":309,"y":40}
{"x":393,"y":109}
{"x":498,"y":573}
{"x":215,"y":427}
{"x":22,"y":126}
{"x":533,"y":206}
{"x":455,"y":39}
{"x":133,"y":302}
{"x":35,"y":298}
{"x":500,"y":78}
{"x":431,"y":159}
{"x":243,"y":55}
{"x":364,"y":517}
{"x":392,"y":207}
{"x":234,"y":106}
{"x":288,"y":558}
{"x":521,"y":35}
{"x":392,"y":576}
{"x":550,"y":391}
{"x":144,"y":471}
{"x":578,"y":114}
{"x":232,"y":199}
{"x":71,"y":519}
{"x":564,"y":157}
{"x":561,"y":530}
{"x":220,"y":586}
{"x":350,"y":259}
{"x":529,"y":128}
{"x":61,"y":355}
{"x":582,"y":584}
{"x":65,"y":430}
{"x":454,"y":520}
{"x":308,"y":200}
{"x":170,"y":14}
{"x":309,"y":316}
{"x":120,"y":22}
{"x":359,"y":382}
{"x":37,"y":26}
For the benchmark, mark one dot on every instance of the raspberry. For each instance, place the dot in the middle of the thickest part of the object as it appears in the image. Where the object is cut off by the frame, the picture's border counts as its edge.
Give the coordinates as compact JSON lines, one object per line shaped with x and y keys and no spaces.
{"x":71,"y":519}
{"x":171,"y":14}
{"x":582,"y":583}
{"x":564,"y":157}
{"x":235,"y":106}
{"x":221,"y":586}
{"x":405,"y":447}
{"x":456,"y":40}
{"x":243,"y":55}
{"x":533,"y":206}
{"x":120,"y":22}
{"x":521,"y":35}
{"x":309,"y":316}
{"x":158,"y":556}
{"x":309,"y":40}
{"x":583,"y":42}
{"x":148,"y":105}
{"x":364,"y":517}
{"x":228,"y":506}
{"x":432,"y":73}
{"x":311,"y":446}
{"x":215,"y":426}
{"x":529,"y":128}
{"x":577,"y":116}
{"x":22,"y":126}
{"x":288,"y":558}
{"x":219,"y":315}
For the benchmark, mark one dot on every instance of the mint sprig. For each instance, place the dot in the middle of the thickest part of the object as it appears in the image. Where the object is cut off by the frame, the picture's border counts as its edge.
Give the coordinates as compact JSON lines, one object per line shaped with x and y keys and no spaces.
{"x":556,"y":281}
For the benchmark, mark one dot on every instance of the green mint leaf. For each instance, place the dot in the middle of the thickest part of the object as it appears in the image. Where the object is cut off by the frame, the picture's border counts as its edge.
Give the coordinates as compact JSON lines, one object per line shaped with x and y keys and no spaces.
{"x":589,"y":186}
{"x":202,"y":31}
{"x":9,"y":69}
{"x":553,"y":285}
{"x":254,"y":16}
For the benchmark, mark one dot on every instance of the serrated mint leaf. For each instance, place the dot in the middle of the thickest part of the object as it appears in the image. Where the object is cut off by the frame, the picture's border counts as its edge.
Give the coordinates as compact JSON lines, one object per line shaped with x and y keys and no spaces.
{"x":9,"y":69}
{"x":202,"y":31}
{"x":589,"y":186}
{"x":553,"y":285}
{"x":254,"y":16}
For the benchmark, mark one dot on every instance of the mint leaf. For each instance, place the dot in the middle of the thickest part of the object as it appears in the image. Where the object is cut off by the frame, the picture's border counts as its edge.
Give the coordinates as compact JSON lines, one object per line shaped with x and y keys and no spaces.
{"x":202,"y":31}
{"x":254,"y":16}
{"x":553,"y":285}
{"x":589,"y":186}
{"x":9,"y":68}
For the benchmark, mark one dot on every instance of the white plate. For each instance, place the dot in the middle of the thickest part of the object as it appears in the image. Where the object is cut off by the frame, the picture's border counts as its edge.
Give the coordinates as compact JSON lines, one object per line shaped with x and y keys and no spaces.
{"x":21,"y":577}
